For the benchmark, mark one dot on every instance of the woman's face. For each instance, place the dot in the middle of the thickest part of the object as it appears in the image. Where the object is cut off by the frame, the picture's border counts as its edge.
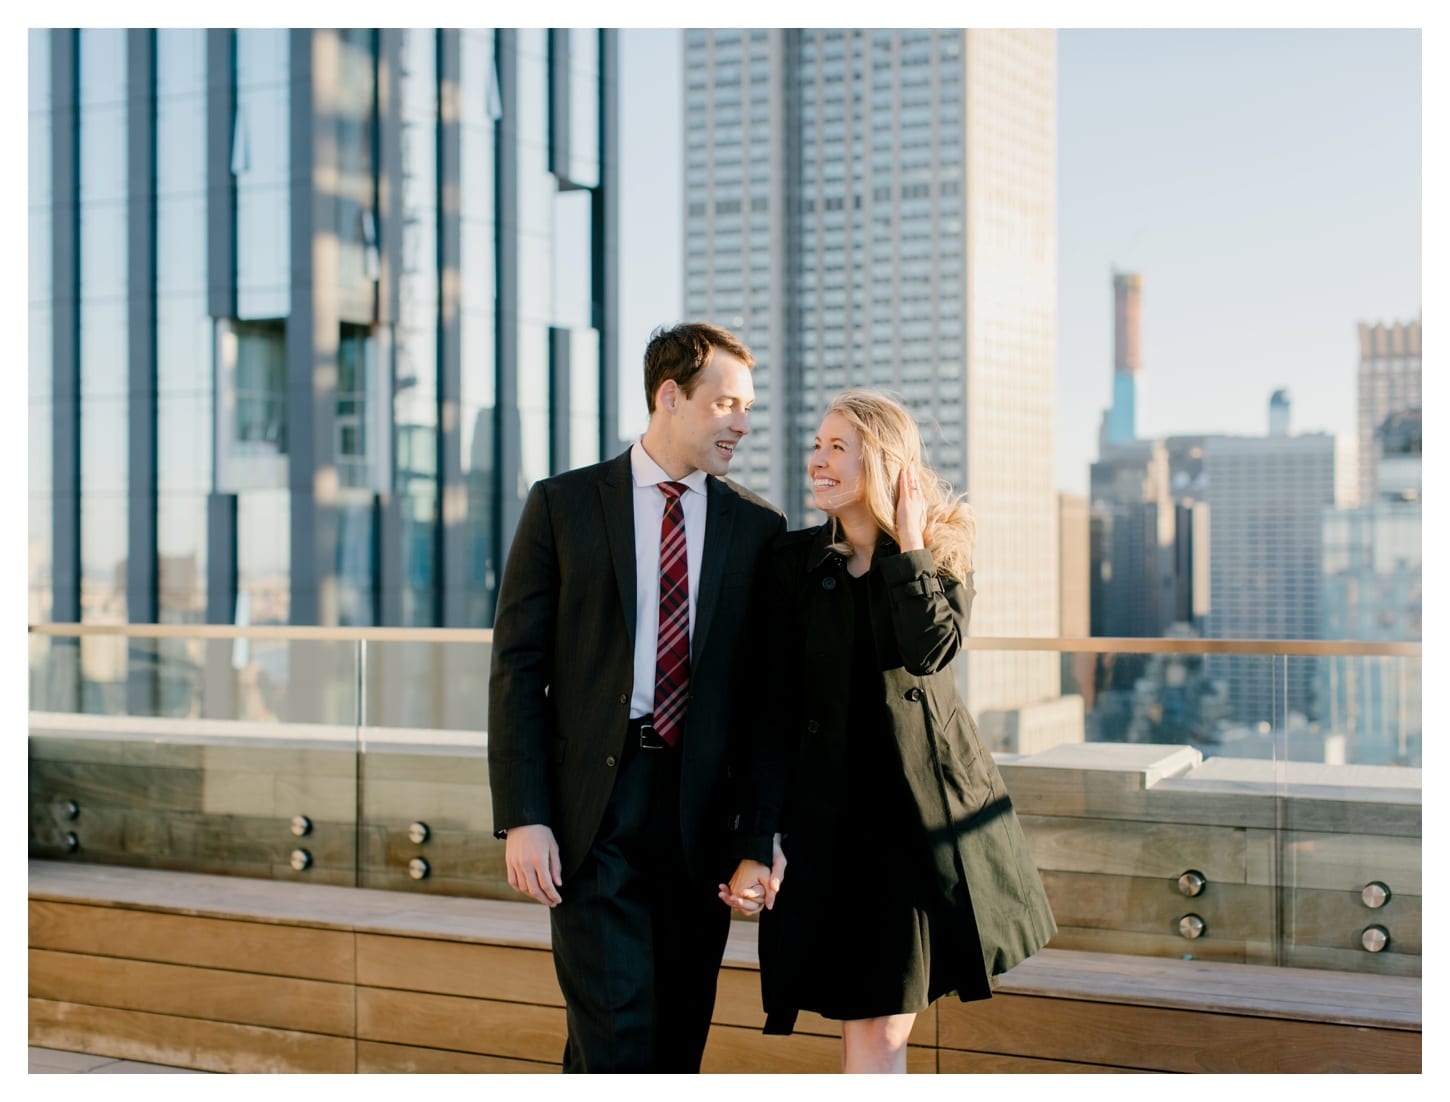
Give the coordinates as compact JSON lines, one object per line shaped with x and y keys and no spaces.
{"x":835,"y":467}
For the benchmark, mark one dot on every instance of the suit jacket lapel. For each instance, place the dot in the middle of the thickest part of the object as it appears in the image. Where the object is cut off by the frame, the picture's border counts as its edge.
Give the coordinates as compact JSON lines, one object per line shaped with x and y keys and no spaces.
{"x":719,"y":520}
{"x":616,"y":497}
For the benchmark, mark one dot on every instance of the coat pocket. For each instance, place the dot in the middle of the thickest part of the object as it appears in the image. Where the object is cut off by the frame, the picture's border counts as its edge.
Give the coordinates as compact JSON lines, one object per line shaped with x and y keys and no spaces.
{"x":966,"y":778}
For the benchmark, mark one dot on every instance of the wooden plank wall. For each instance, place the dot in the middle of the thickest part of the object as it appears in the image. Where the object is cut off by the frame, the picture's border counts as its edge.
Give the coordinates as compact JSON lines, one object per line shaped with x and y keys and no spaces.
{"x":238,"y":994}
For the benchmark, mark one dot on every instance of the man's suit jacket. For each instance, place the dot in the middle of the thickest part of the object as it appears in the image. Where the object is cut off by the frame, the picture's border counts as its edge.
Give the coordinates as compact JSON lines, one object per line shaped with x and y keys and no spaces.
{"x":563,"y":660}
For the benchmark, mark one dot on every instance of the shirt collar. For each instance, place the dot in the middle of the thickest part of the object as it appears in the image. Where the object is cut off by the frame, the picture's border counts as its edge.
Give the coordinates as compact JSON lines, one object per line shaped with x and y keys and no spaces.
{"x":649,"y":473}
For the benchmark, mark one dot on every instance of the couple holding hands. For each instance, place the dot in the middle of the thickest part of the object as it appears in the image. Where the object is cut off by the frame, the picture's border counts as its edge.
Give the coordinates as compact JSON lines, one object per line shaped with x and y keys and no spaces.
{"x":693,"y":710}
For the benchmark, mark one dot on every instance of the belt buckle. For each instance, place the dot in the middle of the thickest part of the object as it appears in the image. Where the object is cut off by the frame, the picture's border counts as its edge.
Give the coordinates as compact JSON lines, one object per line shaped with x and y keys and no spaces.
{"x":648,"y":739}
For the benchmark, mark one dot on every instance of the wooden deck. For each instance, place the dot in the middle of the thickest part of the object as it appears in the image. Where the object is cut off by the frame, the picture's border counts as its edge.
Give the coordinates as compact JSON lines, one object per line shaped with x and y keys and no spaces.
{"x":246,"y":975}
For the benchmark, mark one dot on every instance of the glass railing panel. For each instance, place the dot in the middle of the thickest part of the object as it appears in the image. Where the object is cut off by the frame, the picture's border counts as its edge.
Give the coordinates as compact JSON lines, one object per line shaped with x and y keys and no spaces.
{"x":1349,"y":778}
{"x":1173,"y":808}
{"x":427,"y":816}
{"x":1149,"y":826}
{"x":226,"y":756}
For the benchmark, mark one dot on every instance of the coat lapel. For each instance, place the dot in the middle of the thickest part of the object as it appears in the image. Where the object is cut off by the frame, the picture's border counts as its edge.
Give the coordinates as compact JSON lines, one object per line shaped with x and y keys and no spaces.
{"x":719,"y":521}
{"x":616,"y":497}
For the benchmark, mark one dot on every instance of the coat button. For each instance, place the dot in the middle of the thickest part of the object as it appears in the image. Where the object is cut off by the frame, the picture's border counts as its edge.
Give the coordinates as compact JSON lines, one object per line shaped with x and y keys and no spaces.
{"x":828,"y":583}
{"x":913,"y":694}
{"x":609,"y":761}
{"x":624,"y":698}
{"x":812,"y":726}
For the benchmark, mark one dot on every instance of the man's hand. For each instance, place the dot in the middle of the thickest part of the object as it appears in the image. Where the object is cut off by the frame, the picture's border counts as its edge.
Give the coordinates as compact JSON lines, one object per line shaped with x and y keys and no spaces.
{"x":532,"y":857}
{"x":755,"y":885}
{"x":746,"y":891}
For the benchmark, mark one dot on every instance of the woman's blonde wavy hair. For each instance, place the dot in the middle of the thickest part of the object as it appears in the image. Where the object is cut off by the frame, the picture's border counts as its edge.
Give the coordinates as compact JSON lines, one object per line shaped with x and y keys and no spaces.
{"x":890,"y":439}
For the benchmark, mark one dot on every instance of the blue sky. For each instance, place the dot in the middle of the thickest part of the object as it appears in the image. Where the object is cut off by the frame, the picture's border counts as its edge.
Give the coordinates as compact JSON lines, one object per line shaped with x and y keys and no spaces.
{"x":1265,"y":183}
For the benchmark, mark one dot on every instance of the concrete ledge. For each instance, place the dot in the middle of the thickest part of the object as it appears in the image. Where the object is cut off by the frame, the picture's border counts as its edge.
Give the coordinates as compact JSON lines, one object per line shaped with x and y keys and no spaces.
{"x":234,"y":974}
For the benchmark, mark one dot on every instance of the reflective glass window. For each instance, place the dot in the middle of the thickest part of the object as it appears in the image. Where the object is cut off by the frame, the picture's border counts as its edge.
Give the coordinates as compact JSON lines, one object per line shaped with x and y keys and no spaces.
{"x":41,"y":412}
{"x":415,"y":396}
{"x":261,"y":164}
{"x":478,"y":297}
{"x":103,"y":325}
{"x":584,"y":106}
{"x":264,"y":556}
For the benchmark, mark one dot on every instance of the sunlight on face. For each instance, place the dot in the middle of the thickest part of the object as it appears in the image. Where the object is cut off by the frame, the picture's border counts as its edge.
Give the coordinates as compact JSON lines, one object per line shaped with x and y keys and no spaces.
{"x":711,"y":421}
{"x":835,"y":467}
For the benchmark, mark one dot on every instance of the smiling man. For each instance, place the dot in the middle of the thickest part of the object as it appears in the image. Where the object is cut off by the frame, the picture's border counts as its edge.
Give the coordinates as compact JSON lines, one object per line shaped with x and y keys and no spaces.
{"x":616,"y":685}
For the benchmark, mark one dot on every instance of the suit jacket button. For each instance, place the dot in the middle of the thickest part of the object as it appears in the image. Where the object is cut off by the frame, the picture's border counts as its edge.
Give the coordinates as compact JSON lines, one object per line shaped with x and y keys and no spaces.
{"x":913,"y":694}
{"x":609,"y":761}
{"x":812,"y":726}
{"x":828,"y":582}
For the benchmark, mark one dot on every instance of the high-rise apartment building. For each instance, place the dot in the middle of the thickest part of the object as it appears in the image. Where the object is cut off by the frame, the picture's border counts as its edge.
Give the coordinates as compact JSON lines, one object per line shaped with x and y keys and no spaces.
{"x":878,"y":208}
{"x":1266,"y":500}
{"x":1388,"y":382}
{"x":309,"y":311}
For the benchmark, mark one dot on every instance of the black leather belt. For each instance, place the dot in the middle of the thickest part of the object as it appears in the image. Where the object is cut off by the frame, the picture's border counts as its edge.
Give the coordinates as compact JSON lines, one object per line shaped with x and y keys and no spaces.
{"x":644,"y":729}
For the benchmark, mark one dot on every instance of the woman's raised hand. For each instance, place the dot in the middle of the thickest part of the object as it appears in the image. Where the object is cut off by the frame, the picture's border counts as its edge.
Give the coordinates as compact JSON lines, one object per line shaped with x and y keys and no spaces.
{"x":910,"y":509}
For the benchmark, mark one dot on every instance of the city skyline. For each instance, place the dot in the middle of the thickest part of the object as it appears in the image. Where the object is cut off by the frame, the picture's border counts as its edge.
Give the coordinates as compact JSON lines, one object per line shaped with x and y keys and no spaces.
{"x":1267,"y":220}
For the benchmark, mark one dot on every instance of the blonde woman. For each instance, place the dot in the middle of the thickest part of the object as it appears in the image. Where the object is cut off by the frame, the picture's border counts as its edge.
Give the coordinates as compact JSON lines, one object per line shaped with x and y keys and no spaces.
{"x":875,"y":837}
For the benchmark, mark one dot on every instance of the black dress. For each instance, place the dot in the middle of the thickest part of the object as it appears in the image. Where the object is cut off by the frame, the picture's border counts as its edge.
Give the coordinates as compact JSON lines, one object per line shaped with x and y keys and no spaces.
{"x":858,"y":907}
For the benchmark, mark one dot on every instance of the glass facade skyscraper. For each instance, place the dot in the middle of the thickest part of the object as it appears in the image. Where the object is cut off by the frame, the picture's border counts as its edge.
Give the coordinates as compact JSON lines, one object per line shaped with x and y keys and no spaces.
{"x":309,"y":312}
{"x":878,"y":208}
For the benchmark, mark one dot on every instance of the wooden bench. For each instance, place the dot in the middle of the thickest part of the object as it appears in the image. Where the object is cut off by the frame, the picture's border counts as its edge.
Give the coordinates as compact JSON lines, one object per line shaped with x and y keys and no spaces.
{"x":247,"y":975}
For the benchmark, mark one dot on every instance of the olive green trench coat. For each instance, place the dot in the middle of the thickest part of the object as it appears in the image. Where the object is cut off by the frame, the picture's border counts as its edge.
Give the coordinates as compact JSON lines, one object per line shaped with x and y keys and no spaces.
{"x":977,"y":859}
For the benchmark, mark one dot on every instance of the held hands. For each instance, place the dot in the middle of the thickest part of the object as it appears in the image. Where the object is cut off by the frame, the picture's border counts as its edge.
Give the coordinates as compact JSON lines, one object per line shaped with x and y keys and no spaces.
{"x":532,"y":857}
{"x":755,"y":885}
{"x":910,"y":509}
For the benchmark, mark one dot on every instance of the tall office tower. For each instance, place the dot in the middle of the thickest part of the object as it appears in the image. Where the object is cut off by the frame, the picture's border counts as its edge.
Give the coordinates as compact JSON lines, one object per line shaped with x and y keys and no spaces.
{"x":1073,"y":552}
{"x":878,"y":208}
{"x":1129,"y":487}
{"x":310,"y":310}
{"x":1266,"y":501}
{"x":1388,"y":382}
{"x":1190,"y":563}
{"x":1373,"y":572}
{"x":1149,"y":565}
{"x":1127,"y":357}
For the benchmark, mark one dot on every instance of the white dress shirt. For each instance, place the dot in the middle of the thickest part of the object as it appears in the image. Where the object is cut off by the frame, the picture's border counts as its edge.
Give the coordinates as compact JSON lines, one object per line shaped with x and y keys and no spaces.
{"x":649,"y":513}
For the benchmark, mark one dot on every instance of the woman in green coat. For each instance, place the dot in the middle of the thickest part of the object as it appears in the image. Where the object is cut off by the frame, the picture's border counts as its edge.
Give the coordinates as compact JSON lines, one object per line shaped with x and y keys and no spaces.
{"x":875,"y":834}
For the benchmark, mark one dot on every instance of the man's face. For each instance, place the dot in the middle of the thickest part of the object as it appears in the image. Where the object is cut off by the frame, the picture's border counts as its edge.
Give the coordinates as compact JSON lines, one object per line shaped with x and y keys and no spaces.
{"x":706,"y":426}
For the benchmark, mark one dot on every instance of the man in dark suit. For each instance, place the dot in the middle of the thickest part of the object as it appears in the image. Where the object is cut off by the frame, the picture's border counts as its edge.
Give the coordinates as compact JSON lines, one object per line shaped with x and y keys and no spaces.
{"x":615,"y":697}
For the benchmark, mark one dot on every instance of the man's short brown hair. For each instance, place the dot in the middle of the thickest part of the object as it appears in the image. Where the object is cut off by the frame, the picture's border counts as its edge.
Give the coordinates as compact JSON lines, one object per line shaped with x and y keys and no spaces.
{"x":681,"y":353}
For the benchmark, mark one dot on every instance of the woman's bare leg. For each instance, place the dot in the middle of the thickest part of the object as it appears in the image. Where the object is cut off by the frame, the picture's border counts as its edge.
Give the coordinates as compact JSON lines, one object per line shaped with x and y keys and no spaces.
{"x":875,"y":1044}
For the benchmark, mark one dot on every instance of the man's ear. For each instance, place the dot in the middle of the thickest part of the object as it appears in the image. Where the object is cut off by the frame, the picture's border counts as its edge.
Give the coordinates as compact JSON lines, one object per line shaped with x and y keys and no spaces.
{"x":668,"y":396}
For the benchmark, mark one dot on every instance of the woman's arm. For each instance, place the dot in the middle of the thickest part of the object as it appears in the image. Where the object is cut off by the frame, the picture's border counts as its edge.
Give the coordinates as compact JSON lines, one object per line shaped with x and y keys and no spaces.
{"x":929,"y":612}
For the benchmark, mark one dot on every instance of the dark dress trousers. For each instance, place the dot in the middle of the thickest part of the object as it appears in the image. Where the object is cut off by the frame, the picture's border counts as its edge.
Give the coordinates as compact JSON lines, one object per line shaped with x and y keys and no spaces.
{"x":957,"y":845}
{"x":643,"y":834}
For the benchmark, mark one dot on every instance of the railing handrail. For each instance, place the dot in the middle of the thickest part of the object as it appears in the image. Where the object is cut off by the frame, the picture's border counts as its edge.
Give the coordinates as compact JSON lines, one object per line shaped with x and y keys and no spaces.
{"x":1294,"y":648}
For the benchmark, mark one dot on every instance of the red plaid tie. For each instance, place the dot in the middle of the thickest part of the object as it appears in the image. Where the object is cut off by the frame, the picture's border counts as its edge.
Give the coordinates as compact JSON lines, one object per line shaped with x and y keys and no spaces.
{"x":672,"y":654}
